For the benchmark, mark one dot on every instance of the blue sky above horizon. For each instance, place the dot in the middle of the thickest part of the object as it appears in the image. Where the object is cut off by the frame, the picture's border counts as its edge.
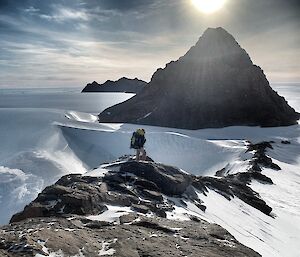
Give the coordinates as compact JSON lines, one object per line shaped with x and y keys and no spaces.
{"x":73,"y":42}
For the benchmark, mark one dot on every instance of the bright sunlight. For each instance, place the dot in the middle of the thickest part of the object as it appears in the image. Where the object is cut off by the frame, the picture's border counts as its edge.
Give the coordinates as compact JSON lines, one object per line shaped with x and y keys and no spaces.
{"x":208,"y":6}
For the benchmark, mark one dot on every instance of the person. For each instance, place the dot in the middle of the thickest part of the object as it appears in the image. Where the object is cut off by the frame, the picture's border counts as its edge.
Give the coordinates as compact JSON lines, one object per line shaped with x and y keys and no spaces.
{"x":137,"y":142}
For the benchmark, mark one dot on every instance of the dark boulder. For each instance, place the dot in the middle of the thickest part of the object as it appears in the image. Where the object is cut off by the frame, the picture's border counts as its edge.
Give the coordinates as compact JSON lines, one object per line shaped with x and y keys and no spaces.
{"x":169,"y":180}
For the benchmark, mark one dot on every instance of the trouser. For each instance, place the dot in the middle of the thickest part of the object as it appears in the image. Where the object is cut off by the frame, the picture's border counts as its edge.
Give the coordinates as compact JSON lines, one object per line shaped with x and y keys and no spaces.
{"x":138,"y":154}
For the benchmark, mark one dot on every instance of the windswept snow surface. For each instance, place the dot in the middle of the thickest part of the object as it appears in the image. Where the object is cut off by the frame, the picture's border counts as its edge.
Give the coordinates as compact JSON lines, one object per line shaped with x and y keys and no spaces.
{"x":33,"y":151}
{"x":43,"y":142}
{"x":183,"y":149}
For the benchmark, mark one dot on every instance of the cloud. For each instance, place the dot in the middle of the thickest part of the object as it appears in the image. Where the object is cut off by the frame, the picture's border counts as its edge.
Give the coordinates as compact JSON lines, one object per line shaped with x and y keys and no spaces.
{"x":31,"y":9}
{"x":77,"y":41}
{"x":122,"y":5}
{"x":60,"y":14}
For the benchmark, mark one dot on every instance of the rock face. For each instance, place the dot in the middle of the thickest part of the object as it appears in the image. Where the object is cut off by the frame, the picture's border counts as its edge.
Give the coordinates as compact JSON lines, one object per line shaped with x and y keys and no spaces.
{"x":215,"y":84}
{"x":122,"y":85}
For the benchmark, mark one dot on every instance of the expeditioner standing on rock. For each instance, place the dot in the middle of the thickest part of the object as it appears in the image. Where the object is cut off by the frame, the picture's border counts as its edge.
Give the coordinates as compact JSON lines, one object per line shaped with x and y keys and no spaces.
{"x":137,"y":142}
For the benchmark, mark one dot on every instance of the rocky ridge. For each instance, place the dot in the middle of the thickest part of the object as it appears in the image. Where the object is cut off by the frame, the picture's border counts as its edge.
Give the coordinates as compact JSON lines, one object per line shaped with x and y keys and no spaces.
{"x":144,"y":197}
{"x":122,"y":85}
{"x":216,"y":84}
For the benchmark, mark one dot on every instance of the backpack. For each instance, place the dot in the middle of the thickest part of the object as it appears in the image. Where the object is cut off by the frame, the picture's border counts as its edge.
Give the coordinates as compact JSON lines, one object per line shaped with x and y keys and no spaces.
{"x":137,"y":141}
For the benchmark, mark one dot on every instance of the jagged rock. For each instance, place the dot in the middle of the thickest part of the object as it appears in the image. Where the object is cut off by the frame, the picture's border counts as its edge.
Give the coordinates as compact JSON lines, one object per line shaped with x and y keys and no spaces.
{"x":274,"y":166}
{"x":57,"y":190}
{"x":30,"y":211}
{"x":143,"y":186}
{"x":95,"y":224}
{"x":219,"y":185}
{"x":152,"y":195}
{"x":247,"y":177}
{"x":75,"y":194}
{"x":250,"y":197}
{"x":215,"y":83}
{"x":170,"y":180}
{"x":260,"y":158}
{"x":221,"y":172}
{"x":121,"y":85}
{"x":200,"y":206}
{"x":236,"y":185}
{"x":255,"y":166}
{"x":82,"y":196}
{"x":140,"y":208}
{"x":261,"y":147}
{"x":190,"y":193}
{"x":146,"y":184}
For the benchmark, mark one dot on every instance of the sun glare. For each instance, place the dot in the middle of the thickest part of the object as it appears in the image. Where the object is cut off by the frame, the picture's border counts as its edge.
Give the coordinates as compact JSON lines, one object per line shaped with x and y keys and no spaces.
{"x":208,"y":6}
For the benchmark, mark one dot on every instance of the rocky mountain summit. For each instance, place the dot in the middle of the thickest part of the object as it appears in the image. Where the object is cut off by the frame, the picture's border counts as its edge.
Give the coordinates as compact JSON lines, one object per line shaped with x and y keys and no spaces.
{"x":129,"y":208}
{"x":122,"y":85}
{"x":215,"y":84}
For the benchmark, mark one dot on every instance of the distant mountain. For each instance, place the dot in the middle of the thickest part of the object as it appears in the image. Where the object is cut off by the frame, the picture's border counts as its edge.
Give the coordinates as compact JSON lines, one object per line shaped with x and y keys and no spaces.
{"x":121,"y":85}
{"x":215,"y":84}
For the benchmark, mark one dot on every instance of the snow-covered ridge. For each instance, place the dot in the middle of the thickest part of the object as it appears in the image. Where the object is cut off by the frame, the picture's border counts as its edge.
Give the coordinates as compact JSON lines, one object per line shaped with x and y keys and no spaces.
{"x":239,"y":216}
{"x":39,"y":155}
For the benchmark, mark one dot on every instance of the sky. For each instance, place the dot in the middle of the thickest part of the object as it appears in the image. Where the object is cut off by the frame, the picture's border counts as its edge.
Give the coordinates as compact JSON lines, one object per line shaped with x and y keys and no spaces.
{"x":69,"y":43}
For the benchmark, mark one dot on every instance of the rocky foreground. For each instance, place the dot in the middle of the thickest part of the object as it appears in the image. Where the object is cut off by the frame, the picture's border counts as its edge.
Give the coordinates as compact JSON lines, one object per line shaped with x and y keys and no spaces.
{"x":130,"y":210}
{"x":134,"y":236}
{"x":215,"y":84}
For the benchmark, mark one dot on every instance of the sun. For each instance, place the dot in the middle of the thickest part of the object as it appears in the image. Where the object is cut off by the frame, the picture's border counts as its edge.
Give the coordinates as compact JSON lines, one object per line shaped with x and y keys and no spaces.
{"x":208,"y":6}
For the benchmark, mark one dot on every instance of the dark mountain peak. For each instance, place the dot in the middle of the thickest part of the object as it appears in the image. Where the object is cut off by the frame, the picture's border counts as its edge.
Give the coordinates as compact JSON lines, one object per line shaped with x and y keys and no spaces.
{"x":121,"y":85}
{"x":216,"y":45}
{"x":215,"y":84}
{"x":219,"y":31}
{"x":217,"y":37}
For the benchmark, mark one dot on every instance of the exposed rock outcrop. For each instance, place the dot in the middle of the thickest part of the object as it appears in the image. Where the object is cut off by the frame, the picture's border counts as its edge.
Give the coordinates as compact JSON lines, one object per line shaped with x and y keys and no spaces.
{"x":146,"y":187}
{"x":122,"y":85}
{"x":215,"y":84}
{"x":260,"y":158}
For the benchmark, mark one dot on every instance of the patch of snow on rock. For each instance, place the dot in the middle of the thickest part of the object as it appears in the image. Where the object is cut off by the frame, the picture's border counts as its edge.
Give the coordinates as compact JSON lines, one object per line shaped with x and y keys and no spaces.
{"x":112,"y":215}
{"x":106,"y":250}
